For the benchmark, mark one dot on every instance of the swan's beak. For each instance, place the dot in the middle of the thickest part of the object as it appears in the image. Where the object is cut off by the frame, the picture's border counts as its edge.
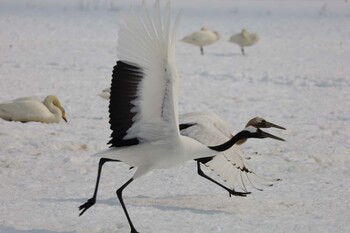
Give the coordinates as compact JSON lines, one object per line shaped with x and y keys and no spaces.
{"x":271,"y":125}
{"x":263,"y":134}
{"x":64,"y":118}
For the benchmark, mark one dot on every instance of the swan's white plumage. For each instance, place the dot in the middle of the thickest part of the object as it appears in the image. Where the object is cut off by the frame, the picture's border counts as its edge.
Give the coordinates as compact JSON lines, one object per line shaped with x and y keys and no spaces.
{"x":151,"y":45}
{"x":244,"y":38}
{"x":202,"y":37}
{"x":210,"y":129}
{"x":27,"y":109}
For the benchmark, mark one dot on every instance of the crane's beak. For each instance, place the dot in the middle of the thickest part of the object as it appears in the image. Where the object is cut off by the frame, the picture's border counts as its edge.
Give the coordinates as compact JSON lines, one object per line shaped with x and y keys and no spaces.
{"x":64,"y":118}
{"x":271,"y":125}
{"x":263,"y":134}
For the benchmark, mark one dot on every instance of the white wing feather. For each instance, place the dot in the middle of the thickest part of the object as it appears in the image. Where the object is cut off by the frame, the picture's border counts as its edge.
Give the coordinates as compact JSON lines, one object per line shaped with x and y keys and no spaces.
{"x":148,"y":43}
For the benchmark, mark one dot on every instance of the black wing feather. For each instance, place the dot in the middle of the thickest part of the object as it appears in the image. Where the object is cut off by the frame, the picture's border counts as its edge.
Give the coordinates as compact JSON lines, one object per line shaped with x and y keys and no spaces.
{"x":185,"y":126}
{"x":126,"y":78}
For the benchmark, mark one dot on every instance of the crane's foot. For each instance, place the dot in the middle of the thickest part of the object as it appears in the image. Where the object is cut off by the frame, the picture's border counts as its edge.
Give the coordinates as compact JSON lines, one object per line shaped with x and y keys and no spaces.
{"x":84,"y":207}
{"x":238,"y":194}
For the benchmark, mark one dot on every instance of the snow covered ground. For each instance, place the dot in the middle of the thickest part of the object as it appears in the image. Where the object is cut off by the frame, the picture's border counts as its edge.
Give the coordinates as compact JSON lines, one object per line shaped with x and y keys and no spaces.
{"x":298,"y":76}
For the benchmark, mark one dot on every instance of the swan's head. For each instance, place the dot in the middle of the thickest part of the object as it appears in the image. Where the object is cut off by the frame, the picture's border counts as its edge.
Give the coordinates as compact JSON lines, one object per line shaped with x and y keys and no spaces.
{"x":204,"y":29}
{"x":57,"y":103}
{"x":254,"y":37}
{"x":244,"y":31}
{"x":217,"y":35}
{"x":63,"y":113}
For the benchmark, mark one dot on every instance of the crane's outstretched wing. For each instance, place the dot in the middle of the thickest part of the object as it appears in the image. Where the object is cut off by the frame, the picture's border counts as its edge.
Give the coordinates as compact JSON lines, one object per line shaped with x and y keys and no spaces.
{"x":144,"y":91}
{"x":210,"y":129}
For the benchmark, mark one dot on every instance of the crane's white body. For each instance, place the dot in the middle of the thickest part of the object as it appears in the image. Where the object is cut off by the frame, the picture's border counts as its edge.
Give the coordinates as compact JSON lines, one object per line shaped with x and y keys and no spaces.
{"x":244,"y":38}
{"x":211,"y":129}
{"x":203,"y":37}
{"x":160,"y":154}
{"x":32,"y":109}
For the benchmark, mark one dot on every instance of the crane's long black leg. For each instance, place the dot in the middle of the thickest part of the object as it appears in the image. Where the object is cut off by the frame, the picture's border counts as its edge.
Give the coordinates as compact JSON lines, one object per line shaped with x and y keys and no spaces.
{"x":230,"y":191}
{"x":92,"y":200}
{"x":202,"y":50}
{"x":242,"y":49}
{"x":120,"y":197}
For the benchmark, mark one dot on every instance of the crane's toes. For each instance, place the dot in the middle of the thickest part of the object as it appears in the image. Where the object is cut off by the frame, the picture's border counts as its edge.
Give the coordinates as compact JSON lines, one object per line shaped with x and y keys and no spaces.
{"x":238,"y":194}
{"x":84,"y":207}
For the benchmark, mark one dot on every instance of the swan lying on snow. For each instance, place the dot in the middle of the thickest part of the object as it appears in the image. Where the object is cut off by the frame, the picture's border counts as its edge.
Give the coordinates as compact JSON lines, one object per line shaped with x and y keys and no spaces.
{"x":244,"y":39}
{"x":32,"y":109}
{"x":202,"y":38}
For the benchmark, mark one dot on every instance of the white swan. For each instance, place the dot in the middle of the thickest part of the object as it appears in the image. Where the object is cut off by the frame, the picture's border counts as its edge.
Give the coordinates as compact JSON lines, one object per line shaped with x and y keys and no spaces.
{"x":202,"y":38}
{"x":244,"y":39}
{"x":32,"y":109}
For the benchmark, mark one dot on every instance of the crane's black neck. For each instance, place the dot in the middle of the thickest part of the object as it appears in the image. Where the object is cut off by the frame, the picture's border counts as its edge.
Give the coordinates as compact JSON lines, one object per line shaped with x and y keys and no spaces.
{"x":227,"y":145}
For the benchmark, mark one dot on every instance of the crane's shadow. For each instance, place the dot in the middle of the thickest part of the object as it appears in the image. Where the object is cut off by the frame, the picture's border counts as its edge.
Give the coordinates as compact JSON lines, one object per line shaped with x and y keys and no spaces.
{"x":14,"y":230}
{"x":171,"y":203}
